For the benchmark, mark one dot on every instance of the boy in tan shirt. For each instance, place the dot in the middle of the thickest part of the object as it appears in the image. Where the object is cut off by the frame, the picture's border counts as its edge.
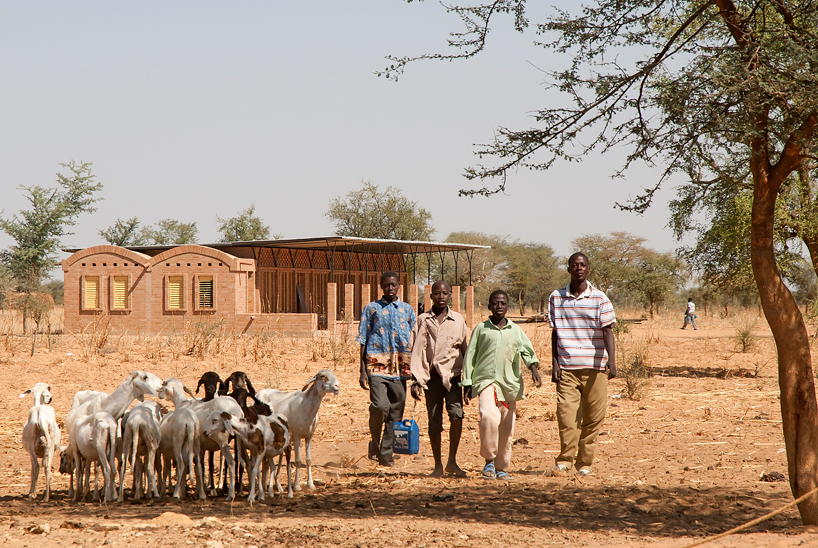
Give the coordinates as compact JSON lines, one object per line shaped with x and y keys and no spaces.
{"x":436,"y":363}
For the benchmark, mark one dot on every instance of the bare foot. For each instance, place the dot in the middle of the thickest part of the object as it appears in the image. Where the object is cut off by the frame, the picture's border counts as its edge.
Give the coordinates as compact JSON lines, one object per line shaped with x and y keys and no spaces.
{"x":456,"y":471}
{"x":437,"y":473}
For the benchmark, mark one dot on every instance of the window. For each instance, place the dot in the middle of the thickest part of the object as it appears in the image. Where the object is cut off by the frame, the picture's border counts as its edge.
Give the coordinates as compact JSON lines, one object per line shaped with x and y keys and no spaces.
{"x":91,"y":293}
{"x":119,"y":293}
{"x":204,"y":292}
{"x":176,"y":292}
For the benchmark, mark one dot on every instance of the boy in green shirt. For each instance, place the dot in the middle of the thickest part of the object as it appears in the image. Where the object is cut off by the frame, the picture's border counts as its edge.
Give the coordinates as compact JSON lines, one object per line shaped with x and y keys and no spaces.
{"x":492,"y":370}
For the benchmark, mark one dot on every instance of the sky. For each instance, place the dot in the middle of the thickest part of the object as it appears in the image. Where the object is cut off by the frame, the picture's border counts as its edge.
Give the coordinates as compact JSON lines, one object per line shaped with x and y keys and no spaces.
{"x":193,"y":109}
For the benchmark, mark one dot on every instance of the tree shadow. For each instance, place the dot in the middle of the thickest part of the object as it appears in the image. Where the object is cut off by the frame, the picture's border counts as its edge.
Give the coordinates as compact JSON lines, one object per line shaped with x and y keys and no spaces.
{"x":549,"y":503}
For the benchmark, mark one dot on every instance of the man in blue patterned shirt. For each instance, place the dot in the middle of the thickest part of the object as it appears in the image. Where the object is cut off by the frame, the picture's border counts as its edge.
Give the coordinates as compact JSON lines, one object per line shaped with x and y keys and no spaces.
{"x":385,"y":335}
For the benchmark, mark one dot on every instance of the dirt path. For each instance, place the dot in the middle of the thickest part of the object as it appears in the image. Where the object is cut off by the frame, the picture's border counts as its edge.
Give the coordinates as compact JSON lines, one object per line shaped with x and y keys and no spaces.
{"x":681,"y":463}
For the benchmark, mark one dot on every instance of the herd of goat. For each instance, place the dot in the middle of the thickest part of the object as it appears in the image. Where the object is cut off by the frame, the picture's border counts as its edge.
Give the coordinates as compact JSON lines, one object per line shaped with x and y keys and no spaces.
{"x":103,"y":431}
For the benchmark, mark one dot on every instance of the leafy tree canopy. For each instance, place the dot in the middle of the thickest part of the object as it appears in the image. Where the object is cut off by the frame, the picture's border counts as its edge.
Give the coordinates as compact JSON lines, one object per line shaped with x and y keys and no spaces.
{"x":170,"y":232}
{"x":123,"y":233}
{"x":38,"y":231}
{"x":381,"y":214}
{"x":244,"y":227}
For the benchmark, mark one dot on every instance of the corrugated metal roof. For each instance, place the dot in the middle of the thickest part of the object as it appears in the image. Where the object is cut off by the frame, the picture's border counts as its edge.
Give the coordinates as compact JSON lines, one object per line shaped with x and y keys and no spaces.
{"x":337,"y":243}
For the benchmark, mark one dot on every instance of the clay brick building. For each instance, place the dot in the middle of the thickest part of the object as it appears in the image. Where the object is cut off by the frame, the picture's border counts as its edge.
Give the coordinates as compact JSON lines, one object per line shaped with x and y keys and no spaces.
{"x":280,"y":285}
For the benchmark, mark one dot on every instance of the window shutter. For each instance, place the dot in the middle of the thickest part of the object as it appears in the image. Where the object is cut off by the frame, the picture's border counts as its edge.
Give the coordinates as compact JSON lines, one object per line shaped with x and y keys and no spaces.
{"x":205,"y":291}
{"x":91,"y":292}
{"x":120,"y":292}
{"x":176,"y":292}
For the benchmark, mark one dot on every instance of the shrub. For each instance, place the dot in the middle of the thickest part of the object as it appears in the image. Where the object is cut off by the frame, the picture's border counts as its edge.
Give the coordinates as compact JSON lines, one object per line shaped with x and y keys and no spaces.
{"x":635,"y":370}
{"x":744,"y":338}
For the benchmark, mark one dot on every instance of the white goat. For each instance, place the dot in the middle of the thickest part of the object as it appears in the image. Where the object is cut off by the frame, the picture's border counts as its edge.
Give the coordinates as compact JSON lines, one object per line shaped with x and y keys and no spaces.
{"x":41,"y":436}
{"x":174,"y":390}
{"x":180,"y":443}
{"x":301,"y":410}
{"x":140,"y":443}
{"x":137,"y":385}
{"x":93,"y":440}
{"x":266,"y":439}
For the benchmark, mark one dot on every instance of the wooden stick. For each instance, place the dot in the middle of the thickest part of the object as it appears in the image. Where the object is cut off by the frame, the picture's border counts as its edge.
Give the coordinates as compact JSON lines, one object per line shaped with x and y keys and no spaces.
{"x":753,"y":522}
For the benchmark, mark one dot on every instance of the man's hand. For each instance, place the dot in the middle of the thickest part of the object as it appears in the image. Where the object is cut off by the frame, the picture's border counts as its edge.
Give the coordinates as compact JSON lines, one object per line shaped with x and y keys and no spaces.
{"x":535,"y":374}
{"x":466,"y":395}
{"x":416,"y":388}
{"x":556,"y":372}
{"x":611,"y":370}
{"x":364,"y":380}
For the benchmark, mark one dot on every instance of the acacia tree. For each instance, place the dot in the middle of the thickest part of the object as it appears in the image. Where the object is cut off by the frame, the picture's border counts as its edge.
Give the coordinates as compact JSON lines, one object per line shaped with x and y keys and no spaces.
{"x":123,"y":232}
{"x":717,"y":88}
{"x":612,"y":257}
{"x":383,"y":214}
{"x":654,"y":277}
{"x":38,"y":231}
{"x":169,"y":232}
{"x":244,"y":227}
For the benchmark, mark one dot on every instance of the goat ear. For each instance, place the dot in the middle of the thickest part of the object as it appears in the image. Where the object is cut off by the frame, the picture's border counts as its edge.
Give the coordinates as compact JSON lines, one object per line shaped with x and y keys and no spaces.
{"x":228,"y":427}
{"x":250,"y":388}
{"x":141,"y":397}
{"x":188,"y":392}
{"x":309,"y":382}
{"x":198,"y":386}
{"x":26,"y":393}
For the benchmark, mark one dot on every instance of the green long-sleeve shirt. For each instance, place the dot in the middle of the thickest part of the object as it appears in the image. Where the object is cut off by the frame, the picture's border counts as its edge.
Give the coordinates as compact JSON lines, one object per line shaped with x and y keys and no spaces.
{"x":494,"y":356}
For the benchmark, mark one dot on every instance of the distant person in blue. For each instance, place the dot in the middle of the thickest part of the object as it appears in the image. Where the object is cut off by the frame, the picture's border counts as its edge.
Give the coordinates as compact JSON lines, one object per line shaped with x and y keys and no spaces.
{"x":385,"y":335}
{"x":690,"y":314}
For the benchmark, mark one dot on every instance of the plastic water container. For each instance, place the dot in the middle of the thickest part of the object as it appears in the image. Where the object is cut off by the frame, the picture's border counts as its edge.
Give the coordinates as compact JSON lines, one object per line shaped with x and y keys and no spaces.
{"x":407,"y":437}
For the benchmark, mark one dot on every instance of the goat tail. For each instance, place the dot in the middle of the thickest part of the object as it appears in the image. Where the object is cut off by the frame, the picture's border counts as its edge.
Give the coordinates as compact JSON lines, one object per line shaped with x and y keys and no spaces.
{"x":42,"y":424}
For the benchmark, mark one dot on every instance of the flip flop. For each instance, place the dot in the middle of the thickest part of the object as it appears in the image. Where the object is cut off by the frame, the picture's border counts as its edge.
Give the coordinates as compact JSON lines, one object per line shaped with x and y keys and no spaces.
{"x":502,"y":475}
{"x":488,"y":471}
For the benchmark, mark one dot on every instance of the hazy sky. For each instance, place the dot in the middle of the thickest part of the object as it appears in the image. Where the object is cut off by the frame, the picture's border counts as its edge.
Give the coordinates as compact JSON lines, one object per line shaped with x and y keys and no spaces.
{"x":190,"y":110}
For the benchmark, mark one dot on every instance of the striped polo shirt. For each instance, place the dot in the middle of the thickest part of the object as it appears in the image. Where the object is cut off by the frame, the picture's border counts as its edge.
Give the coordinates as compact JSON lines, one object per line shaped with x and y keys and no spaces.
{"x":579,"y":322}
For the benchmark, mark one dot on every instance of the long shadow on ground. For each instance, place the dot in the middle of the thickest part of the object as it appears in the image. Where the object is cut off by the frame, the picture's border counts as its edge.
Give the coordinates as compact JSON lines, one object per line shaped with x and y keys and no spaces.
{"x":564,"y":504}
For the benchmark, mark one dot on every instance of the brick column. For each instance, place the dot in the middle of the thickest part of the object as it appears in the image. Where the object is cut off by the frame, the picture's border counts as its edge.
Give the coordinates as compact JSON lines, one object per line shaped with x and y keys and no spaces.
{"x":401,"y":293}
{"x":413,"y":297}
{"x":349,"y":302}
{"x":469,"y":315}
{"x":332,"y":305}
{"x":427,"y":297}
{"x":365,"y":297}
{"x":456,"y":298}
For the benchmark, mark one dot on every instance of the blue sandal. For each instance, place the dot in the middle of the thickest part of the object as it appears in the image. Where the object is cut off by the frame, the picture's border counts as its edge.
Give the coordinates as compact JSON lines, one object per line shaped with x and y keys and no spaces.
{"x":488,"y":471}
{"x":502,"y":475}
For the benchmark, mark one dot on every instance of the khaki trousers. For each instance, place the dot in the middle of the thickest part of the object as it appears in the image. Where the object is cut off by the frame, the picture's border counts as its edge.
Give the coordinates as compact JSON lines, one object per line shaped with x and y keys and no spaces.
{"x":496,"y":428}
{"x":582,"y":399}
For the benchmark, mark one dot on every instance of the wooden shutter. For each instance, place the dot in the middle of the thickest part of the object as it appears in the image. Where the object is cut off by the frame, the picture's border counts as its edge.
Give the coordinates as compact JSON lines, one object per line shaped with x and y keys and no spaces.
{"x":120,"y":292}
{"x":91,"y":292}
{"x":205,"y":291}
{"x":176,"y":291}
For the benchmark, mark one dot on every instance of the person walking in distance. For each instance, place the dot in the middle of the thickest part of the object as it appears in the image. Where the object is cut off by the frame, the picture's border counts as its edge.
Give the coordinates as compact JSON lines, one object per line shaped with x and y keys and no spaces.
{"x":492,"y":372}
{"x":385,"y":334}
{"x":437,"y":360}
{"x":690,"y":314}
{"x":583,"y":359}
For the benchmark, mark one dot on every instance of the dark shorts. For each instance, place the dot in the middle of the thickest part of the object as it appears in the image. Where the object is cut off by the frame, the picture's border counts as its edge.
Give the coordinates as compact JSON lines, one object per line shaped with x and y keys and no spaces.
{"x":437,"y":395}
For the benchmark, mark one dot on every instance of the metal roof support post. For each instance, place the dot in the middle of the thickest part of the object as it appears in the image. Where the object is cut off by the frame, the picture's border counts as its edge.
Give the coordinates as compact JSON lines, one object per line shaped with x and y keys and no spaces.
{"x":442,"y":262}
{"x":469,"y":256}
{"x":428,"y":267}
{"x":456,"y":256}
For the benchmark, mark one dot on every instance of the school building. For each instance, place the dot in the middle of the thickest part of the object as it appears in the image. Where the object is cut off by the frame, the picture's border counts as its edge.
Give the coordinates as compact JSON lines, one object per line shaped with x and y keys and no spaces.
{"x":291,"y":286}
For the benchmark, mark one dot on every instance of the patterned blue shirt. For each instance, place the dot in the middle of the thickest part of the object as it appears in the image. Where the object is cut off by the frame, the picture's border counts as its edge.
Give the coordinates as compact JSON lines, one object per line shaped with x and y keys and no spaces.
{"x":386,"y":331}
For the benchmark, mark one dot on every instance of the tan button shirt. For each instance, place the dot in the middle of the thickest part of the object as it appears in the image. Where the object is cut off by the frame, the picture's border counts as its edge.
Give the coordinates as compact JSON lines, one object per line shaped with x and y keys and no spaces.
{"x":438,"y":345}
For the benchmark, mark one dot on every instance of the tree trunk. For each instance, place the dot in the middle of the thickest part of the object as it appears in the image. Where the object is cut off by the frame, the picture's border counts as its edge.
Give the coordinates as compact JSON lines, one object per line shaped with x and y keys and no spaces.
{"x":799,"y":411}
{"x":651,"y":309}
{"x":521,"y":302}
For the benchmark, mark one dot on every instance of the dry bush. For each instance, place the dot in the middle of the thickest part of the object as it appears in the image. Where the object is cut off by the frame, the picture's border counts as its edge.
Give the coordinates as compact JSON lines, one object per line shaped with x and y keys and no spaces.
{"x":744,"y":338}
{"x":635,"y":369}
{"x":94,"y":337}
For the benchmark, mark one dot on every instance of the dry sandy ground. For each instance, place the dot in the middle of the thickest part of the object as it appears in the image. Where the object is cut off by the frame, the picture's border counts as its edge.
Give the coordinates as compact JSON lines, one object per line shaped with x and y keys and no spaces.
{"x":678,"y":465}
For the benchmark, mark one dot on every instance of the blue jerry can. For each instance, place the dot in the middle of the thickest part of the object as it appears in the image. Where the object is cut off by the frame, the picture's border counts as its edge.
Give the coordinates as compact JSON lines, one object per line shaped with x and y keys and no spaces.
{"x":407,"y":437}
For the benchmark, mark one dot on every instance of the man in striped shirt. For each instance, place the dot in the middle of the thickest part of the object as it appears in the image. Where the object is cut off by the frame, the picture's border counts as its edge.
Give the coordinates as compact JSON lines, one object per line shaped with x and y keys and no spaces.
{"x":583,"y":359}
